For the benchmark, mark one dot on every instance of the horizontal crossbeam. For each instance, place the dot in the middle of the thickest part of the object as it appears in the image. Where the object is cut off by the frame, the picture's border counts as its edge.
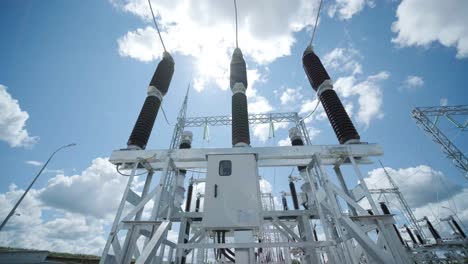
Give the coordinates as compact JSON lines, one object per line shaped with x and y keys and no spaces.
{"x":253,"y":119}
{"x":266,"y":156}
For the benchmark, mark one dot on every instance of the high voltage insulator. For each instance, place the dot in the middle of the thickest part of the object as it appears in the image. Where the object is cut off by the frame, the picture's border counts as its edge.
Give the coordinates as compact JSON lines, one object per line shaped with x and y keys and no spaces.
{"x":457,"y":226}
{"x":185,"y":143}
{"x":189,"y":197}
{"x":157,"y":89}
{"x":197,"y":203}
{"x":292,"y":188}
{"x":321,"y":83}
{"x":240,"y":114}
{"x":296,"y":140}
{"x":284,"y":202}
{"x":408,"y":230}
{"x":419,"y":237}
{"x":386,"y":211}
{"x":433,"y":231}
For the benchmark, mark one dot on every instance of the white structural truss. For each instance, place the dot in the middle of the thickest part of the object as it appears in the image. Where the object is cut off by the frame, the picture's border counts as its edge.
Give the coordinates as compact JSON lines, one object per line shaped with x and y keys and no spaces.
{"x":334,"y":226}
{"x":422,"y":116}
{"x":347,"y":236}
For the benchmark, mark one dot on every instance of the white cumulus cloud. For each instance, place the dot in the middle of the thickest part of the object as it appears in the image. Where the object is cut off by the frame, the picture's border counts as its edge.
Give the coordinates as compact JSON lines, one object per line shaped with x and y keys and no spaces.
{"x":420,"y":185}
{"x":256,"y":102}
{"x":69,"y":214}
{"x":96,"y":191}
{"x":13,"y":121}
{"x":290,"y":96}
{"x":344,"y":60}
{"x":284,"y":142}
{"x":368,"y":92}
{"x":262,"y":131}
{"x":443,"y":101}
{"x":413,"y":82}
{"x":346,"y":9}
{"x":421,"y":22}
{"x":266,"y":32}
{"x":63,"y":232}
{"x":33,"y":163}
{"x":428,"y":192}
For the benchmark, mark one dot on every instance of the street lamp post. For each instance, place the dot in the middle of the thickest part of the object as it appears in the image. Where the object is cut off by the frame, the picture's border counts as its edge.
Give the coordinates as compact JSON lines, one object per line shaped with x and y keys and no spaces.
{"x":30,"y":185}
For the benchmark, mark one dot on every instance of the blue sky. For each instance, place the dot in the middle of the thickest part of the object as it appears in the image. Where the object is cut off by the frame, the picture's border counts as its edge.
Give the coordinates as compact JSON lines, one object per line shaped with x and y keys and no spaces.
{"x":77,"y":71}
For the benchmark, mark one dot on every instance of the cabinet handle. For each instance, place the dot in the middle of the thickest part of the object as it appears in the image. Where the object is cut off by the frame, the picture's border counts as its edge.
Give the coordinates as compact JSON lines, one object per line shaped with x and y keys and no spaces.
{"x":215,"y":190}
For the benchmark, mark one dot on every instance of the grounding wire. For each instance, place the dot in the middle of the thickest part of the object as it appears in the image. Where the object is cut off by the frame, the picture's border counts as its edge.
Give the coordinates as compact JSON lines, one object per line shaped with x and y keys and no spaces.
{"x":316,"y":21}
{"x":235,"y":10}
{"x":162,"y":108}
{"x":156,"y":24}
{"x":119,"y":172}
{"x":165,"y":117}
{"x":313,"y":111}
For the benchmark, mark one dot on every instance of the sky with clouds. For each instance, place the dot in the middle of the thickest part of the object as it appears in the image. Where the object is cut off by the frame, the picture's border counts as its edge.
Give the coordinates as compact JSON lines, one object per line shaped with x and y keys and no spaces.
{"x":77,"y":71}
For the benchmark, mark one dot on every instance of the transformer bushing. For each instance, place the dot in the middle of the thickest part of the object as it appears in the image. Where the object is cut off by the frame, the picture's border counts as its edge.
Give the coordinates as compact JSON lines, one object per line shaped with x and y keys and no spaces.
{"x":158,"y":87}
{"x":321,"y":83}
{"x":240,"y":114}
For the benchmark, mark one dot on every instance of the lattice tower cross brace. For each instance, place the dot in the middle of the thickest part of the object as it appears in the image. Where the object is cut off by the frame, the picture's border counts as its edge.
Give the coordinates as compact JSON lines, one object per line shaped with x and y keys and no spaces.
{"x":421,"y":115}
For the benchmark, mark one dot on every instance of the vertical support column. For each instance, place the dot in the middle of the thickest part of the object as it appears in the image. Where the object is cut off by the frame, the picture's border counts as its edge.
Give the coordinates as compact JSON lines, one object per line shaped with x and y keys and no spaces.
{"x":162,"y":181}
{"x":303,"y":222}
{"x":331,"y":251}
{"x":312,"y":256}
{"x":133,"y":232}
{"x":170,"y":255}
{"x":113,"y":232}
{"x":159,"y":259}
{"x":201,"y":252}
{"x":157,"y":203}
{"x":334,"y":208}
{"x":184,"y":229}
{"x":341,"y":179}
{"x":244,"y":255}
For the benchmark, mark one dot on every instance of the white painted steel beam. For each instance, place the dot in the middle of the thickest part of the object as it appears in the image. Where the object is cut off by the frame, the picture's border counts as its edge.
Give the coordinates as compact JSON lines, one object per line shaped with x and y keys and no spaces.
{"x":266,"y":156}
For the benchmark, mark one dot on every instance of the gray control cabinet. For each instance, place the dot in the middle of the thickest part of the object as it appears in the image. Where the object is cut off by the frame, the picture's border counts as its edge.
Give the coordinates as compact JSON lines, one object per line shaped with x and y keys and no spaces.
{"x":232,"y":192}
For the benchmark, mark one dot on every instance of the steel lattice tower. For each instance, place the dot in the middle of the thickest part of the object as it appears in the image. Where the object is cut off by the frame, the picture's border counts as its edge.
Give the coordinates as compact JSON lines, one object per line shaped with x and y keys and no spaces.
{"x":422,"y":116}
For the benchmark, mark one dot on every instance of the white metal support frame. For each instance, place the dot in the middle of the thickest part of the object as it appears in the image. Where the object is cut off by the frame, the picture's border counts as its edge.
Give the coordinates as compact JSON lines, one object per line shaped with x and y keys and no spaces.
{"x":342,"y":231}
{"x":347,"y":232}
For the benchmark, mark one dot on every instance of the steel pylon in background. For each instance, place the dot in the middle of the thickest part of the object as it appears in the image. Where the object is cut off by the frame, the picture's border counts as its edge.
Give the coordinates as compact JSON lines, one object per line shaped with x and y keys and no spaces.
{"x":422,"y":116}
